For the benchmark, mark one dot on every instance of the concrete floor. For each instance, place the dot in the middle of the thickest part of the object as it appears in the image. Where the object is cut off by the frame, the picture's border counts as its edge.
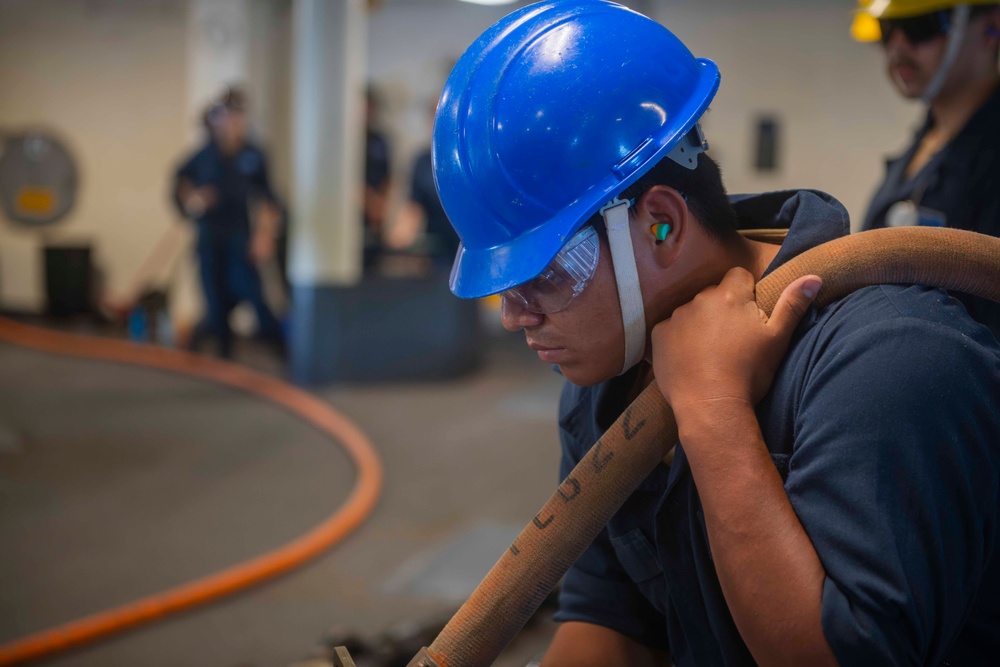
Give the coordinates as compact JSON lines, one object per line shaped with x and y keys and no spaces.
{"x":117,"y":482}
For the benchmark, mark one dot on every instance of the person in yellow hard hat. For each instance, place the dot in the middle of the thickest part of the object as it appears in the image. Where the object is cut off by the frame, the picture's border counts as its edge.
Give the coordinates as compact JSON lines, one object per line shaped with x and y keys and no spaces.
{"x":944,"y":53}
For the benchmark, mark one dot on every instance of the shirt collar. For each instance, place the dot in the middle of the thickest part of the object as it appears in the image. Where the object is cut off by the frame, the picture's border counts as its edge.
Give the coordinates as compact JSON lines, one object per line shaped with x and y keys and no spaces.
{"x":810,"y":216}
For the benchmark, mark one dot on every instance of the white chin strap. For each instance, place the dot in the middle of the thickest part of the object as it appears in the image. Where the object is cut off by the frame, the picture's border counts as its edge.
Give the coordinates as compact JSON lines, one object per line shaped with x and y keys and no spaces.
{"x":615,"y":214}
{"x":956,"y":35}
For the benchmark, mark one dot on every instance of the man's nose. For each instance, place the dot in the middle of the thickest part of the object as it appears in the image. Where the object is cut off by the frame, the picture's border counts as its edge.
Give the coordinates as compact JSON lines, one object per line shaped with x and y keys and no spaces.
{"x":895,"y":41}
{"x":515,"y":316}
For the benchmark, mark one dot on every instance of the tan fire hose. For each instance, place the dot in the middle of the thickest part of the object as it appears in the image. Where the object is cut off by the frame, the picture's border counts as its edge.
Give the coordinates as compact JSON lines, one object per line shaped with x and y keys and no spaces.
{"x":646,"y":432}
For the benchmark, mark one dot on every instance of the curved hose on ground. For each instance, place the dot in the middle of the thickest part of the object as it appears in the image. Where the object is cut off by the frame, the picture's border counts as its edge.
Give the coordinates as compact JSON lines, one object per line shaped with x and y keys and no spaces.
{"x":646,"y":432}
{"x":311,"y":409}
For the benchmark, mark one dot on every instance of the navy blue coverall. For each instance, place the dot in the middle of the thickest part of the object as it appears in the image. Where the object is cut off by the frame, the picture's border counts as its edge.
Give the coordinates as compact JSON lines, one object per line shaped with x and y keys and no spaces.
{"x":884,"y":423}
{"x":441,"y":236}
{"x":228,"y":276}
{"x":959,"y":187}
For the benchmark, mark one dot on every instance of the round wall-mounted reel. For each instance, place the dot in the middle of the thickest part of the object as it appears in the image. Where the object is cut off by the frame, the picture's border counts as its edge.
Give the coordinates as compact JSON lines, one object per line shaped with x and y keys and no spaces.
{"x":38,"y":179}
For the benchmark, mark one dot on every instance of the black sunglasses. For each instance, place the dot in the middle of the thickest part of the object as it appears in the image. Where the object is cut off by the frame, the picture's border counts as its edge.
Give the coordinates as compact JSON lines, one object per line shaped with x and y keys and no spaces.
{"x":917,"y":29}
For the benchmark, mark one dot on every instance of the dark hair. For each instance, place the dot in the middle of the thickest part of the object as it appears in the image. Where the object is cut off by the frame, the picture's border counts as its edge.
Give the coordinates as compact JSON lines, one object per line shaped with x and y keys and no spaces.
{"x":234,"y":98}
{"x":702,"y":188}
{"x":981,"y":10}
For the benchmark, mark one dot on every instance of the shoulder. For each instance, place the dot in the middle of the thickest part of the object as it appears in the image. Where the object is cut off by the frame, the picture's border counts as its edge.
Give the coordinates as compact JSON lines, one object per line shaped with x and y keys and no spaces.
{"x":255,"y":151}
{"x":199,"y":156}
{"x":908,"y":348}
{"x":880,"y":310}
{"x":206,"y":152}
{"x":251,"y":160}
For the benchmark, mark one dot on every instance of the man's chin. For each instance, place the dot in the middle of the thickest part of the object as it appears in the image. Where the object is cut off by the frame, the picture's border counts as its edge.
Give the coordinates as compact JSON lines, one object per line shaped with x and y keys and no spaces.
{"x":909,"y":91}
{"x":583,"y":376}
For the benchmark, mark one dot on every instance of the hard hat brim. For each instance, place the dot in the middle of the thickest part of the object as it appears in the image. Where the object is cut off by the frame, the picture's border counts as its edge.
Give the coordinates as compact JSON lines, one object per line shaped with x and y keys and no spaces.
{"x":894,"y":9}
{"x":865,"y":28}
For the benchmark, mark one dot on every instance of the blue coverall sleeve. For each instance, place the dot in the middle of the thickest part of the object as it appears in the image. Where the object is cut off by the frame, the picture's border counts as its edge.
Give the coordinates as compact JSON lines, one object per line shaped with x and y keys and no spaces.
{"x":261,"y":182}
{"x":187,"y":171}
{"x":597,"y":589}
{"x":893,"y":477}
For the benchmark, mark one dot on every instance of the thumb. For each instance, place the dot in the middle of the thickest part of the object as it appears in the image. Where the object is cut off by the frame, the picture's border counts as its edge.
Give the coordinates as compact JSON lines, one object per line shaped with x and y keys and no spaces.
{"x":793,"y":304}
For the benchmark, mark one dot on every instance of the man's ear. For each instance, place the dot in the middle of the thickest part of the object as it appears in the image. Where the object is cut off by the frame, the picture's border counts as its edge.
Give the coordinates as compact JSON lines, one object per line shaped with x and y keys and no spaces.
{"x":662,"y":218}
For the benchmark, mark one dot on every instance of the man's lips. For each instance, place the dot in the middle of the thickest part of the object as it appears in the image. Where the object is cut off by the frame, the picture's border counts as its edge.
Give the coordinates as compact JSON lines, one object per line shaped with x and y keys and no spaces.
{"x":546,"y":352}
{"x":905,"y":71}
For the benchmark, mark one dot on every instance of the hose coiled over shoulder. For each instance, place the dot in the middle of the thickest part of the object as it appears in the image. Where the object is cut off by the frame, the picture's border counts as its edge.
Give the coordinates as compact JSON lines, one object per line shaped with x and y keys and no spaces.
{"x":646,"y":432}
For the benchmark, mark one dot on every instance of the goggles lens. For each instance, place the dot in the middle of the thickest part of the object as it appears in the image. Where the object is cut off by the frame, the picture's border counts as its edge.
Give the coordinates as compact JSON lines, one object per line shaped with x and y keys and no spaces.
{"x":564,"y":278}
{"x":918,"y":29}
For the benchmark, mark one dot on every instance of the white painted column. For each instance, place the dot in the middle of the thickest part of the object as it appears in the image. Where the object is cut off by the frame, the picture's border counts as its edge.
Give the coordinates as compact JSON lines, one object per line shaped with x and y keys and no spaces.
{"x":329,"y":47}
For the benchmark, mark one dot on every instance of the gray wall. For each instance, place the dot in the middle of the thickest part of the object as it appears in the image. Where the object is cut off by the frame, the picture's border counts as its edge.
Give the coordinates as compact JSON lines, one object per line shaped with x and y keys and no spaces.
{"x":110,"y":77}
{"x":839,"y":116}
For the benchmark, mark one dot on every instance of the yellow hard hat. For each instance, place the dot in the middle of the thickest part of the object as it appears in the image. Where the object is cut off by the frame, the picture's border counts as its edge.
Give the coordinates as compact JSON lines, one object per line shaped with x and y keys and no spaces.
{"x":866,"y":29}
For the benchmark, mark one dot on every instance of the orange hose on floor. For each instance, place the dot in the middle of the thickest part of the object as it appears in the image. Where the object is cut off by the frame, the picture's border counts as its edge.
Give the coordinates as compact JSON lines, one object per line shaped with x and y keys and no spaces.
{"x":349,"y":516}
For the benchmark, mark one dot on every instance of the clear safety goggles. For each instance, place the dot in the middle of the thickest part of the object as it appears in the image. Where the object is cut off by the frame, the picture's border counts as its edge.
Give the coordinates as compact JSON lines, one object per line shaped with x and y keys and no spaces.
{"x":563,"y":279}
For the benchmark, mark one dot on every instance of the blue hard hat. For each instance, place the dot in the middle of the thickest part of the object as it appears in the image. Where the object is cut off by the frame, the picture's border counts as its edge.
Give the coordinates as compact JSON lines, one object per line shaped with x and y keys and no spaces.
{"x":549,"y":114}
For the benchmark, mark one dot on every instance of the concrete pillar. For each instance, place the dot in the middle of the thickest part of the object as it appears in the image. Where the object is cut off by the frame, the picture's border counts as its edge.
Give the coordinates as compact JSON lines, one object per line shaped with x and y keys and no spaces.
{"x":329,"y":47}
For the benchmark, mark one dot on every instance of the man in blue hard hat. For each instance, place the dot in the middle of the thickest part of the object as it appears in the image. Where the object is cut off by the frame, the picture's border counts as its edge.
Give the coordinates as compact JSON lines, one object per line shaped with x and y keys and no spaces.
{"x":834,"y":495}
{"x":943,"y":53}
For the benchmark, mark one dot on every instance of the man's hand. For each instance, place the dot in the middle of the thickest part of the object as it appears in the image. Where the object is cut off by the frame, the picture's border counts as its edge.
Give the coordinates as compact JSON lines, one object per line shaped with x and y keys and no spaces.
{"x":714,"y":360}
{"x":722,"y":347}
{"x":197,"y":200}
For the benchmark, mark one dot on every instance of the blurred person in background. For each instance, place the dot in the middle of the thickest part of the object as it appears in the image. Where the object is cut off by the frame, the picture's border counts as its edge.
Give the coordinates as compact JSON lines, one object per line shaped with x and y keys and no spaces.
{"x":423,"y":211}
{"x":218,"y":187}
{"x":377,"y":178}
{"x":945,"y":54}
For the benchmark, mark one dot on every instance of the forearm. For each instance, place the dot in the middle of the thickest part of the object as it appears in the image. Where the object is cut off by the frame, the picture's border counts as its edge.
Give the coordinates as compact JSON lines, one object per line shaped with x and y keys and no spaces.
{"x":586,"y":645}
{"x":375,"y":205}
{"x":182,"y":190}
{"x":770,"y":573}
{"x":407,"y":227}
{"x":268,"y":219}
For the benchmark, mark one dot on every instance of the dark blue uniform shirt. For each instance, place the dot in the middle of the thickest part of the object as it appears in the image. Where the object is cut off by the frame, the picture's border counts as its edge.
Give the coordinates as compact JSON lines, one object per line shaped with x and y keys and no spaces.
{"x":443,"y":239}
{"x":237,"y":180}
{"x":959,"y":187}
{"x":884,"y":422}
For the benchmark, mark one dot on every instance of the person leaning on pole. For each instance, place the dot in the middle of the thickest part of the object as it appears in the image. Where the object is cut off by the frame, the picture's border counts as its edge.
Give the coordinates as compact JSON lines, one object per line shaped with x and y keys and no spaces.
{"x":944,"y":54}
{"x":834,"y":495}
